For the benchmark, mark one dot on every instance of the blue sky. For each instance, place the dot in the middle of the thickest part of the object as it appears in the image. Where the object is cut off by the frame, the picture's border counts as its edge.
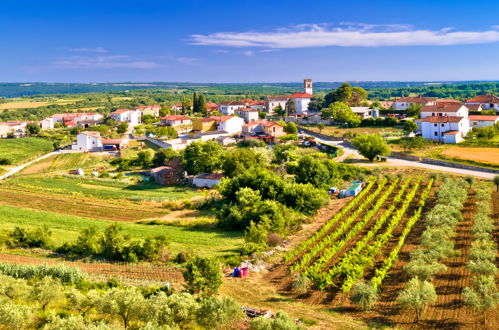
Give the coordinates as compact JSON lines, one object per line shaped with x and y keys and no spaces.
{"x":248,"y":41}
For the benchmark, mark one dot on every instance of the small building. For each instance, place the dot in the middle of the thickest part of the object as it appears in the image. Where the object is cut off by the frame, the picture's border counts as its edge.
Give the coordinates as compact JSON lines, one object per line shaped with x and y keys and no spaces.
{"x":248,"y":114}
{"x":210,"y":106}
{"x":176,"y":120}
{"x":474,"y":107}
{"x":206,"y":180}
{"x":229,"y":124}
{"x":228,"y":108}
{"x":483,"y":120}
{"x":113,"y":144}
{"x":487,"y":101}
{"x":72,"y":119}
{"x":354,"y":189}
{"x":15,"y":128}
{"x":204,"y":124}
{"x":302,"y":100}
{"x":406,"y":102}
{"x":226,"y":140}
{"x":126,"y":115}
{"x":363,"y":112}
{"x":151,"y":110}
{"x":211,"y":135}
{"x":263,"y":127}
{"x":88,"y":141}
{"x":276,"y":101}
{"x":166,"y":175}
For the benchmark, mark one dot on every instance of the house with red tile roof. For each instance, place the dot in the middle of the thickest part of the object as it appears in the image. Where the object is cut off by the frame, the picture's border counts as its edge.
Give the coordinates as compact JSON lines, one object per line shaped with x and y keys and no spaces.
{"x":446,"y":122}
{"x":151,"y":110}
{"x":302,"y":99}
{"x":15,"y":127}
{"x":229,"y":124}
{"x":228,"y":108}
{"x":405,"y":102}
{"x":175,"y":120}
{"x":71,"y":119}
{"x":263,"y":127}
{"x":483,"y":120}
{"x":126,"y":115}
{"x":487,"y":101}
{"x":248,"y":114}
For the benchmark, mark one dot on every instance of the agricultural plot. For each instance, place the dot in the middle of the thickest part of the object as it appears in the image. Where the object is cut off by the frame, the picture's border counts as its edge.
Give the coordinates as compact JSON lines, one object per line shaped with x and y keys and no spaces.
{"x":19,"y":151}
{"x":346,"y":249}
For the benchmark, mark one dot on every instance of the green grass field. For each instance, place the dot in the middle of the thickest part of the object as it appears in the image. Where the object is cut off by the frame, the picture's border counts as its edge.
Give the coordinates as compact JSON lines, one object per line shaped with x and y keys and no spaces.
{"x":66,"y":228}
{"x":24,"y":149}
{"x":107,"y":189}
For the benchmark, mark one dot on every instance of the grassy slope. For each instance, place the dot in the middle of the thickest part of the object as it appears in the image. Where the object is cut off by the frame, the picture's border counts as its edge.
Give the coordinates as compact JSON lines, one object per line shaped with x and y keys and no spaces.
{"x":109,"y":189}
{"x":25,"y":149}
{"x":66,"y":228}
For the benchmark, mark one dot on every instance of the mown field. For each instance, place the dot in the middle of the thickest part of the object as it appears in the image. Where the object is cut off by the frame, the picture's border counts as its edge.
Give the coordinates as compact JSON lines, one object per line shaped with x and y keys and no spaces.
{"x":338,"y":131}
{"x":22,"y":150}
{"x":20,"y":103}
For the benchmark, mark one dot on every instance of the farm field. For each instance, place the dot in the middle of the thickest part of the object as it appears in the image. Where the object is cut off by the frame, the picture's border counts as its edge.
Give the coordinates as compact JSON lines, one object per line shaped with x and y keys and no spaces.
{"x":105,"y":188}
{"x":64,"y":162}
{"x":202,"y":241}
{"x":371,"y":240}
{"x":22,"y":150}
{"x":337,"y":131}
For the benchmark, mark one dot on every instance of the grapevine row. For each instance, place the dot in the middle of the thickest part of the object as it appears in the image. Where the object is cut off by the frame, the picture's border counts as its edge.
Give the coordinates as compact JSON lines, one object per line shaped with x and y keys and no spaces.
{"x":314,"y":271}
{"x":382,"y":272}
{"x":300,"y":248}
{"x":340,"y":267}
{"x":358,"y":263}
{"x":305,"y":260}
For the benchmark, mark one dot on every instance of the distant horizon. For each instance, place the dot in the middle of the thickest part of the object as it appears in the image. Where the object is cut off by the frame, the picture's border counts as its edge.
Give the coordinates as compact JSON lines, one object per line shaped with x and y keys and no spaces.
{"x":245,"y":83}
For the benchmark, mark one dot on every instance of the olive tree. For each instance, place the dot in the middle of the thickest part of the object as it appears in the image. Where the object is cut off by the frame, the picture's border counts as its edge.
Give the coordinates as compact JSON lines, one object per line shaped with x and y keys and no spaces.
{"x":364,"y":295}
{"x":46,"y":291}
{"x":215,"y":313}
{"x":126,"y":303}
{"x":483,"y":295}
{"x":14,"y":316}
{"x":417,"y":295}
{"x":203,"y":276}
{"x":371,"y":145}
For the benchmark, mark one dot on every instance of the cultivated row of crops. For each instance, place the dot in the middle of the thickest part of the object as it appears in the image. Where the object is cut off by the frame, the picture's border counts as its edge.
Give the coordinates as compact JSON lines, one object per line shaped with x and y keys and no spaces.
{"x":347,"y":246}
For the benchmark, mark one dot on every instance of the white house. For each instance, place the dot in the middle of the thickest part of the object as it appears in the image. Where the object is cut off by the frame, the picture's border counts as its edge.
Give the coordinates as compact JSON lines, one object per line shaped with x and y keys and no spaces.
{"x":126,"y":115}
{"x":228,"y":108}
{"x":82,"y":119}
{"x":487,"y":101}
{"x":211,"y":135}
{"x":483,"y":120}
{"x":363,"y":112}
{"x":273,"y":102}
{"x":447,"y":129}
{"x":207,"y":180}
{"x":152,"y":110}
{"x":15,"y":127}
{"x":406,"y":102}
{"x":175,"y":120}
{"x":302,"y":100}
{"x":229,"y":124}
{"x":248,"y":114}
{"x":457,"y":110}
{"x":88,"y":141}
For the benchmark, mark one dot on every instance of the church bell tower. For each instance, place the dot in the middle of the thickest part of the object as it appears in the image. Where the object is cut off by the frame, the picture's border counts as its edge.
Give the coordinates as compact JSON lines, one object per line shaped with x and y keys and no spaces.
{"x":307,"y":86}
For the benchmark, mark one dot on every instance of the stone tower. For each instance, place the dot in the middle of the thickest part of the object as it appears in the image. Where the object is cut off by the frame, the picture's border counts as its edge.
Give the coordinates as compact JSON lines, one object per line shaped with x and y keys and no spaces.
{"x":307,"y":86}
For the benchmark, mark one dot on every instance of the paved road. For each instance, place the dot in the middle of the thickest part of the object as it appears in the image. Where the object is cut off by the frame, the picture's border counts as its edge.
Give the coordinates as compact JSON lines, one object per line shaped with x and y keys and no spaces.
{"x":16,"y":169}
{"x":391,"y":161}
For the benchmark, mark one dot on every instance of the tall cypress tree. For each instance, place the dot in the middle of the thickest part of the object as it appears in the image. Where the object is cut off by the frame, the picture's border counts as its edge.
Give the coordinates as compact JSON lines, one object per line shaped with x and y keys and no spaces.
{"x":195,"y":103}
{"x":202,"y":105}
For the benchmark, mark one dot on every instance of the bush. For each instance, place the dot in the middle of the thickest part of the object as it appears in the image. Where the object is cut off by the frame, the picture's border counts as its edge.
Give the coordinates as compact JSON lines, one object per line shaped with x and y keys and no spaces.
{"x":64,"y":273}
{"x":20,"y":237}
{"x":301,"y":283}
{"x":182,"y":257}
{"x":5,"y":161}
{"x":274,"y":239}
{"x":364,"y":295}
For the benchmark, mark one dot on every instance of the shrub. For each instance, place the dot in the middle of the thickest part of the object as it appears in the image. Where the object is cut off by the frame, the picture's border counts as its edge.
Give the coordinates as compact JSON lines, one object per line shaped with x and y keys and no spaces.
{"x":203,"y":276}
{"x":364,"y":295}
{"x":182,"y":257}
{"x":65,"y":274}
{"x":20,"y":237}
{"x":274,"y":239}
{"x":5,"y":161}
{"x":301,"y":283}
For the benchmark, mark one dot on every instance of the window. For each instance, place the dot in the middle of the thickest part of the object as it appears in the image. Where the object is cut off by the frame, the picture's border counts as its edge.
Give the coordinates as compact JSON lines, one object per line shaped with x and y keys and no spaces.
{"x":436,"y":133}
{"x":433,"y":114}
{"x":435,"y":125}
{"x":443,"y":125}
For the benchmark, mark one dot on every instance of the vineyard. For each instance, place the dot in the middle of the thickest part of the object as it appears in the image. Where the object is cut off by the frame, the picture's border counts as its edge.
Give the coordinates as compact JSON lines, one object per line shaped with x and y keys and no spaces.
{"x":398,"y":235}
{"x":375,"y":223}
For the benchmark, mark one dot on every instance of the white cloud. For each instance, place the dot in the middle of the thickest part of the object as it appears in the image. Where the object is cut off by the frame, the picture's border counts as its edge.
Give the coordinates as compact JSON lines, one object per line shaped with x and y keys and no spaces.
{"x":187,"y":60}
{"x":89,"y":50}
{"x":247,"y":53}
{"x":103,"y":62}
{"x":346,"y":35}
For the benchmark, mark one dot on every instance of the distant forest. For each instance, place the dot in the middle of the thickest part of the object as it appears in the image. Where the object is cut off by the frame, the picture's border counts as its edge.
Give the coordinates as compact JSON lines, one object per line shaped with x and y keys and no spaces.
{"x":378,"y":90}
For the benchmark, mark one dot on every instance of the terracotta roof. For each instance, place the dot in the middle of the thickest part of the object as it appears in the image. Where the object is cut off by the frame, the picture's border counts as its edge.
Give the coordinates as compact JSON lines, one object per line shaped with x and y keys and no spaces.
{"x":416,"y":99}
{"x":265,"y":123}
{"x":175,"y":117}
{"x":441,"y":119}
{"x":91,"y":133}
{"x":448,"y":101}
{"x":442,"y":108}
{"x":231,"y":103}
{"x":120,"y":111}
{"x":112,"y":141}
{"x":73,"y":114}
{"x":451,"y":132}
{"x":206,"y":120}
{"x":214,"y":176}
{"x":483,"y":117}
{"x":301,"y":96}
{"x":487,"y":98}
{"x":474,"y":107}
{"x":222,"y":119}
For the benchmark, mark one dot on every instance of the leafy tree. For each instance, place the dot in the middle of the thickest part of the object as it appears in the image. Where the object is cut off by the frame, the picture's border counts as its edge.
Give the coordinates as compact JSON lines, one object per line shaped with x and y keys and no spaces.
{"x":186,"y":106}
{"x":483,"y":295}
{"x":216,"y":313}
{"x":127,"y":303}
{"x":201,"y":105}
{"x":122,"y":128}
{"x":279,"y":111}
{"x":238,"y":160}
{"x":320,"y":126}
{"x":144,"y":159}
{"x":166,"y":131}
{"x":164,"y":155}
{"x":203,"y":276}
{"x":13,"y":288}
{"x":46,"y":291}
{"x":203,"y":157}
{"x":371,"y":145}
{"x":312,"y":170}
{"x":172,"y":311}
{"x":290,"y":106}
{"x":281,"y":321}
{"x":340,"y":94}
{"x":410,"y":126}
{"x":413,"y":110}
{"x":55,"y":322}
{"x":364,"y":295}
{"x":316,"y":104}
{"x":359,"y":95}
{"x":301,"y":283}
{"x":284,"y":153}
{"x":496,"y":182}
{"x":83,"y":303}
{"x":290,"y":128}
{"x":33,"y":129}
{"x":262,"y":115}
{"x":113,"y":242}
{"x":195,"y":102}
{"x":14,"y":316}
{"x":417,"y":295}
{"x":422,"y":269}
{"x":470,"y":180}
{"x":148,"y":119}
{"x":341,"y":112}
